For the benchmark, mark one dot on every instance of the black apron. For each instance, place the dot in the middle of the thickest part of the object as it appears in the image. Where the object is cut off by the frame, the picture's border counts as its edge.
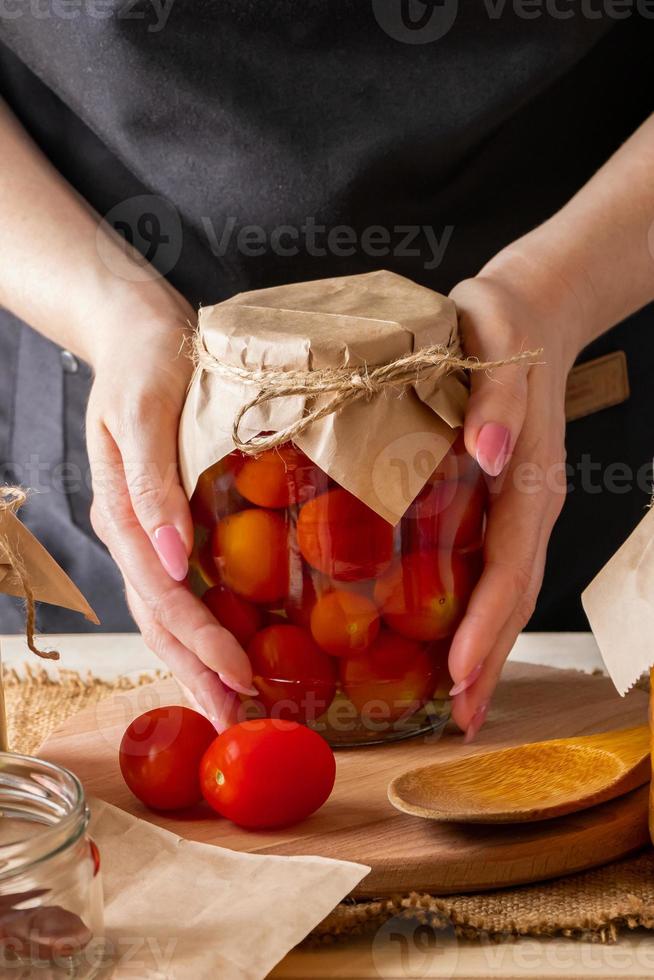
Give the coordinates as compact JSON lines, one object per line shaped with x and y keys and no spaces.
{"x":241,"y":144}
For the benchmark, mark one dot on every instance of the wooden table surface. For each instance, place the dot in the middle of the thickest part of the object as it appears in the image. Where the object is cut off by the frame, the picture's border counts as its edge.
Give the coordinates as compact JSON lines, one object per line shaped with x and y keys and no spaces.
{"x":398,"y":951}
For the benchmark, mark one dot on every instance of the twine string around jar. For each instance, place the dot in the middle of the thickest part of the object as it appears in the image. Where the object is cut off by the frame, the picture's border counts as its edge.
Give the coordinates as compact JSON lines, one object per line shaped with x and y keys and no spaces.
{"x":12,"y":498}
{"x":346,"y":384}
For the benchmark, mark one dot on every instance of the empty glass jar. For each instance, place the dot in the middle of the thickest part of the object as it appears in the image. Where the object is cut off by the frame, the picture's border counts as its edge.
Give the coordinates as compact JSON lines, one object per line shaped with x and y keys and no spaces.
{"x":51,"y":914}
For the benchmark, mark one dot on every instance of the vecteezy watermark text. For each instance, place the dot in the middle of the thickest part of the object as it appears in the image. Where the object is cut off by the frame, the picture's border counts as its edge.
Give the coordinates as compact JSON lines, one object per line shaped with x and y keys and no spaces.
{"x":426,"y":21}
{"x":410,"y":468}
{"x":318,"y":240}
{"x":154,"y":12}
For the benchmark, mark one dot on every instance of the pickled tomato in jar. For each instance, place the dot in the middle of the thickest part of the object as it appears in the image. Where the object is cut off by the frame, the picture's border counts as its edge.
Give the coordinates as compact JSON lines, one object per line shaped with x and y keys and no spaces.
{"x":346,"y":618}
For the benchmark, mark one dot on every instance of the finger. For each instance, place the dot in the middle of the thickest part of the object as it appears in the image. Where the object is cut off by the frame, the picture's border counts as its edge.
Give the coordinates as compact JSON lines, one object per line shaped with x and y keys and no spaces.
{"x":170,"y":604}
{"x":512,"y":539}
{"x":218,"y":703}
{"x":470,"y":706}
{"x":494,"y":416}
{"x":521,"y":516}
{"x":498,"y":397}
{"x":147,"y":442}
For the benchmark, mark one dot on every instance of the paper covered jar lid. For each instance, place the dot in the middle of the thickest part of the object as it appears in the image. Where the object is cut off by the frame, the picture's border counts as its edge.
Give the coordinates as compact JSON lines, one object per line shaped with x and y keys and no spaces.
{"x":363,"y":373}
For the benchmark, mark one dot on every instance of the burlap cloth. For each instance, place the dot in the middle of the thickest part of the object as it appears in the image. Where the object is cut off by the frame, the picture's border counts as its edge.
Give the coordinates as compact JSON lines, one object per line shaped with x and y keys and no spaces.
{"x":595,"y":905}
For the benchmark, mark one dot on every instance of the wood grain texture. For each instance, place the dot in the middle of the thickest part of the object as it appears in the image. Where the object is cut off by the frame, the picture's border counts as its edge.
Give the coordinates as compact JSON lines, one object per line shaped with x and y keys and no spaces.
{"x":358,"y":823}
{"x":536,"y":781}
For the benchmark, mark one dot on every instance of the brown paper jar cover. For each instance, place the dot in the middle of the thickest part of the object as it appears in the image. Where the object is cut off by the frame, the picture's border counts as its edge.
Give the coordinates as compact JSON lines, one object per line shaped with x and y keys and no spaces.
{"x":24,"y":561}
{"x":382,"y":448}
{"x":619,"y":603}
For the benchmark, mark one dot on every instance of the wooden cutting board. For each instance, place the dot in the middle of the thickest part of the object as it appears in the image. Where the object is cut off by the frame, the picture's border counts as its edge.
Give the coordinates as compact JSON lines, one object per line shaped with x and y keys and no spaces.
{"x":359,"y":824}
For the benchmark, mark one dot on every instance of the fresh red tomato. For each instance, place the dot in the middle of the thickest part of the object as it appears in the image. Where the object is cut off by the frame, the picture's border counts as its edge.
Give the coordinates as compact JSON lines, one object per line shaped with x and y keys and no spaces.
{"x":279,"y":477}
{"x":236,"y":614}
{"x":393,"y":678}
{"x":447,"y":515}
{"x":267,"y":773}
{"x":423,"y":596}
{"x":342,"y":537}
{"x":344,"y":622}
{"x":160,"y":753}
{"x":296,"y":680}
{"x":95,"y":856}
{"x":251,"y":551}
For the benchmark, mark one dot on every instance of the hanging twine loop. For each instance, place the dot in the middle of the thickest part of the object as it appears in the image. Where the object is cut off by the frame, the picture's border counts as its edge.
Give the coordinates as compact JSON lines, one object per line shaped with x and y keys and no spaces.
{"x":346,"y":385}
{"x":11,"y":498}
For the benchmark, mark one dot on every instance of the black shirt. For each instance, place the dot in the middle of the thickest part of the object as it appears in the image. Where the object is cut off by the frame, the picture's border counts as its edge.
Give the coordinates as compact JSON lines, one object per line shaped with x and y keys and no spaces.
{"x":243,"y":144}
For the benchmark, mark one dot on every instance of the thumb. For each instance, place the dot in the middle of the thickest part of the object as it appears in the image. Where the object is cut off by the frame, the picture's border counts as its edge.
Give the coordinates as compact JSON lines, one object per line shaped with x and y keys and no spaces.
{"x":495,"y":414}
{"x":149,"y":455}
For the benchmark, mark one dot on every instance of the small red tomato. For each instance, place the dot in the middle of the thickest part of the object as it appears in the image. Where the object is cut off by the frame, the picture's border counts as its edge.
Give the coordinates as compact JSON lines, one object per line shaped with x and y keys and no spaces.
{"x":211,"y":494}
{"x":160,"y":753}
{"x":237,"y":615}
{"x":296,"y":680}
{"x":267,"y":773}
{"x":343,"y":623}
{"x":394,"y":677}
{"x":201,"y":562}
{"x":342,"y":537}
{"x":438,"y":654}
{"x":272,"y":617}
{"x":95,"y":856}
{"x":447,"y":515}
{"x":424,"y":596}
{"x":301,"y":601}
{"x":279,"y":477}
{"x":251,"y":551}
{"x":457,"y":464}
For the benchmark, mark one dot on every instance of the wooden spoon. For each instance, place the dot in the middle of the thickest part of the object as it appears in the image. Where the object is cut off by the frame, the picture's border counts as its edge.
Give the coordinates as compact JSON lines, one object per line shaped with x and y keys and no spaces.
{"x":527,"y":782}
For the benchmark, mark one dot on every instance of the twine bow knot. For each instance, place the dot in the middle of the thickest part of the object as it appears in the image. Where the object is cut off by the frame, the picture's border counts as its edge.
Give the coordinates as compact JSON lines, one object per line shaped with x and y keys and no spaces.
{"x":346,"y":384}
{"x":12,"y":498}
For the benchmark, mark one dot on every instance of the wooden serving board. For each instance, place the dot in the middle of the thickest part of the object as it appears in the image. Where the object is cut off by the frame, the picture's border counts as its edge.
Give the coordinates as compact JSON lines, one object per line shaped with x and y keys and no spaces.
{"x":359,"y":824}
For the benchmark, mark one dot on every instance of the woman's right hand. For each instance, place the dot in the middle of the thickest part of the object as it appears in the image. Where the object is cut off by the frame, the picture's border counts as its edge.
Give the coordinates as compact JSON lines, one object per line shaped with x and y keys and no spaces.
{"x":141,"y":513}
{"x":88,"y":291}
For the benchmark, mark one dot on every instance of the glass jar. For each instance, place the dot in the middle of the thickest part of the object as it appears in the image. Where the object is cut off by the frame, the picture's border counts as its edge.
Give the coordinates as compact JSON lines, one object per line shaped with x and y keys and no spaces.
{"x":346,"y":619}
{"x":51,"y":910}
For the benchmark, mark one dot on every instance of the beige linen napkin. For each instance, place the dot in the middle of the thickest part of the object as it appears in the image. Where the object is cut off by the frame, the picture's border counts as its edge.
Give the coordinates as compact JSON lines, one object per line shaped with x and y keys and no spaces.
{"x":176,"y":909}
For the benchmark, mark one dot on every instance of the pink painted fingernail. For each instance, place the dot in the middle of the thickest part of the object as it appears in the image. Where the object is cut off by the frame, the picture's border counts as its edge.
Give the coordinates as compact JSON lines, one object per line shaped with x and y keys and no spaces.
{"x":221,"y":721}
{"x":220,"y":706}
{"x":467,"y":681}
{"x":493,"y":448}
{"x":476,"y":722}
{"x":172,"y":553}
{"x":238,"y":687}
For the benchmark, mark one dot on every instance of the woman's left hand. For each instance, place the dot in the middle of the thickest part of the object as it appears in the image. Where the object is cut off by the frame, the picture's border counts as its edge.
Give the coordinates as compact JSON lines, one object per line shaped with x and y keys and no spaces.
{"x":515,"y":427}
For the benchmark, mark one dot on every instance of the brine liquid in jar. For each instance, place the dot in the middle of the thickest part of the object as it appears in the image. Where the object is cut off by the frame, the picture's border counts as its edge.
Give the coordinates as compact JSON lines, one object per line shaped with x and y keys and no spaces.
{"x":346,"y":619}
